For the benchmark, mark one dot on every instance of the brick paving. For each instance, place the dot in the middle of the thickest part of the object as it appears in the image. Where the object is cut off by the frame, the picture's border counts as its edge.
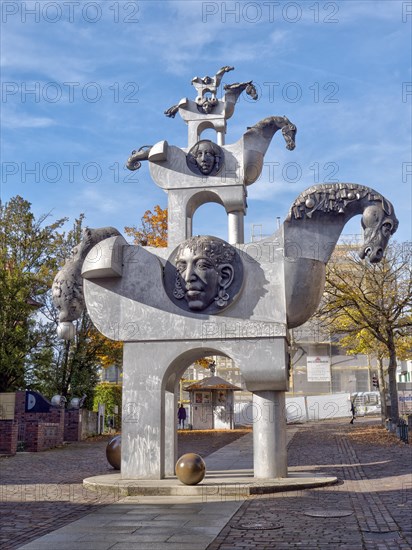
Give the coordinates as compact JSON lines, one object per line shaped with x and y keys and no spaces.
{"x":40,"y":492}
{"x":371,"y":508}
{"x":43,"y":491}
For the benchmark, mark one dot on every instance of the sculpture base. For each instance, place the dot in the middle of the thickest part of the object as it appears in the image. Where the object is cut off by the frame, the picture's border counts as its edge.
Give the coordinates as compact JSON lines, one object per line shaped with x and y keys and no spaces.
{"x":233,"y":483}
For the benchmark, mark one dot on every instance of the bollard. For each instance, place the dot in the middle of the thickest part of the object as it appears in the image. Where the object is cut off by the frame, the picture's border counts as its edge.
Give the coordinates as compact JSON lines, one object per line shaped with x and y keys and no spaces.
{"x":402,"y":430}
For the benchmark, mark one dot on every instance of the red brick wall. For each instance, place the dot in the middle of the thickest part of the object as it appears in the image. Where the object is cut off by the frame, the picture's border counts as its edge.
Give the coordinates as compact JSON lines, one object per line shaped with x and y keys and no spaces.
{"x":48,"y":436}
{"x":72,"y":425}
{"x":41,"y":430}
{"x":8,"y":437}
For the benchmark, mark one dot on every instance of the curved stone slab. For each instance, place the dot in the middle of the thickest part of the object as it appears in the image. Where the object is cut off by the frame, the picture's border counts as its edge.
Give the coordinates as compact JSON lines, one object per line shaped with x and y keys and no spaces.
{"x":230,"y":486}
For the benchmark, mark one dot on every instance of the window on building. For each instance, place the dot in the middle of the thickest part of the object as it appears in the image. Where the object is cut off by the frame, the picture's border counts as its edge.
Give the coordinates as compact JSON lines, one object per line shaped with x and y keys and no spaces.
{"x":362,"y":380}
{"x":336,"y":381}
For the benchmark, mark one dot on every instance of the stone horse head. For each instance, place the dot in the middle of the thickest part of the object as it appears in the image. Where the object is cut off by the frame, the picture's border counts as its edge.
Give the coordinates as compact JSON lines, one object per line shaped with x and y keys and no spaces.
{"x":379,"y":223}
{"x":312,"y":229}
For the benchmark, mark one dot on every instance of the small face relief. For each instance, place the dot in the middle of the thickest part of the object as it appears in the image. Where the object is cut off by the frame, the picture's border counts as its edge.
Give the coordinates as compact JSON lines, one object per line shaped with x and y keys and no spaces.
{"x":205,"y":158}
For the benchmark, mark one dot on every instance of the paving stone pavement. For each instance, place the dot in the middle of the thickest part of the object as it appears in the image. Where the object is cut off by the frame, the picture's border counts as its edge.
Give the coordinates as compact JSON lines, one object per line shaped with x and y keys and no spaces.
{"x":371,"y":508}
{"x":41,"y":492}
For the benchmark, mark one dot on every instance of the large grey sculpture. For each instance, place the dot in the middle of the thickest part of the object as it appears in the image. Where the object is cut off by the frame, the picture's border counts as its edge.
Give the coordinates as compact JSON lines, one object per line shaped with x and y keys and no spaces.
{"x":204,"y":296}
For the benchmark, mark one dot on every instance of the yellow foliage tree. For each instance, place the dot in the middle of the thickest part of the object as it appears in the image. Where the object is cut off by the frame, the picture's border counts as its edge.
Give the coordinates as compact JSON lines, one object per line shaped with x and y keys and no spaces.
{"x":108,"y":352}
{"x":370,"y":306}
{"x":153,"y":231}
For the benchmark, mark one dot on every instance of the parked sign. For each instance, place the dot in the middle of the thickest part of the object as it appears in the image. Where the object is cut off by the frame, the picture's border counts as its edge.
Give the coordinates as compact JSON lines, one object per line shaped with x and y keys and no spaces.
{"x":318,"y":368}
{"x":405,"y":401}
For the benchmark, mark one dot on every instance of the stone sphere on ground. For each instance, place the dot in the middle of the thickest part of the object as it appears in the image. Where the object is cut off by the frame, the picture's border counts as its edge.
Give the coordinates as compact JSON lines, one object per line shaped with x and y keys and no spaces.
{"x":190,"y":469}
{"x":114,"y":452}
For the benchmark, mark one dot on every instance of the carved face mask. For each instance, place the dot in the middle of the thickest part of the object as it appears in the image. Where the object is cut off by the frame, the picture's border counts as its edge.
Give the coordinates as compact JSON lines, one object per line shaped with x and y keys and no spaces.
{"x":205,"y":159}
{"x":203,"y":282}
{"x":204,"y":274}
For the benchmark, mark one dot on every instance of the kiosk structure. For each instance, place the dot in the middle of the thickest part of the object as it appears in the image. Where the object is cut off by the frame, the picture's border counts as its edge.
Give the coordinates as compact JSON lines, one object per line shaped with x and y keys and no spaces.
{"x":212,"y":404}
{"x":202,"y":295}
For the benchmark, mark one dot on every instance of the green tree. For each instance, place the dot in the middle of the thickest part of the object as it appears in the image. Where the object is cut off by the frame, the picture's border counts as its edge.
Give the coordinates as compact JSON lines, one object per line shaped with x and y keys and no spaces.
{"x":27,"y":266}
{"x":370,"y":306}
{"x":109,"y":395}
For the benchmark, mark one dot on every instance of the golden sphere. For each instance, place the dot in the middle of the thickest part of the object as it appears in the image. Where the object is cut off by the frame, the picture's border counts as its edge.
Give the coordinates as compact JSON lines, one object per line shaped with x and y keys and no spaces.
{"x":190,"y":469}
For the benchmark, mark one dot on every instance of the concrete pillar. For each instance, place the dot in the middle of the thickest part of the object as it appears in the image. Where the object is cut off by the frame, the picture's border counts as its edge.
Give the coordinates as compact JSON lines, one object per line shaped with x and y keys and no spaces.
{"x":170,"y":432}
{"x":178,"y":224}
{"x":143,"y":415}
{"x":236,"y":229}
{"x":269,"y":435}
{"x":189,"y":227}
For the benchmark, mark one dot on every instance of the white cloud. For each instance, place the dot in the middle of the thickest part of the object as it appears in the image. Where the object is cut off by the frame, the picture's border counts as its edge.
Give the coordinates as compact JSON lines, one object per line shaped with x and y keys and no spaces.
{"x":23,"y":121}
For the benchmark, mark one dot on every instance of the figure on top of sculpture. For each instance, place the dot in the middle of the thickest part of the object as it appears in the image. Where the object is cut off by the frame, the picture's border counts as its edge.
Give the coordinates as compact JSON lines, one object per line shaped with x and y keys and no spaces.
{"x":210,"y":85}
{"x":206,"y":100}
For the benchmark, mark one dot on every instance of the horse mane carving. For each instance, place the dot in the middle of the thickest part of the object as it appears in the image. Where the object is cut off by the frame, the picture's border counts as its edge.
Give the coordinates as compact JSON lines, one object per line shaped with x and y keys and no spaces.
{"x":336,"y":197}
{"x":67,"y":287}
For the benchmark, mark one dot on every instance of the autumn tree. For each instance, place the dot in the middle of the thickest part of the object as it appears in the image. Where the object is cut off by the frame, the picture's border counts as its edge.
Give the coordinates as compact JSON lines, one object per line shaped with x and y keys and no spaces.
{"x":153,"y":230}
{"x":363,"y":342}
{"x":370,"y":306}
{"x":28,"y":263}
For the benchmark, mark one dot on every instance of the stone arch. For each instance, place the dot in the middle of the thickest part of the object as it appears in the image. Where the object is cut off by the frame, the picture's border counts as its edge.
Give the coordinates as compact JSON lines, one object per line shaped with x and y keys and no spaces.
{"x":198,"y":127}
{"x":169,"y":386}
{"x":198,"y":199}
{"x":178,"y":366}
{"x":205,"y":125}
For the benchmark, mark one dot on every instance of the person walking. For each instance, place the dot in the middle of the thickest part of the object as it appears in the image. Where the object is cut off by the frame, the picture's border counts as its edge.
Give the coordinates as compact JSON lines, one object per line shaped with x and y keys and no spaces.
{"x":353,"y":410}
{"x":181,"y":415}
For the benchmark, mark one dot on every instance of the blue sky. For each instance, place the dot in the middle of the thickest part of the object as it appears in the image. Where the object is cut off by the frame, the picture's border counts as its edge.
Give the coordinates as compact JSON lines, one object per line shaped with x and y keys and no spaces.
{"x":84,"y":83}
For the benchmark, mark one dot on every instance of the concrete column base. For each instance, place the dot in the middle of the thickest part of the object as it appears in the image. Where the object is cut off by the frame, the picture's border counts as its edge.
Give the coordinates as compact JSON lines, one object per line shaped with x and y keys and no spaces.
{"x":269,"y":435}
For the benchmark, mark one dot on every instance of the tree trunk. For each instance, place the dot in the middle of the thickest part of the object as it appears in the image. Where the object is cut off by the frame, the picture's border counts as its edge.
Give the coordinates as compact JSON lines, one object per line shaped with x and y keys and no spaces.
{"x":393,"y":389}
{"x":382,"y":390}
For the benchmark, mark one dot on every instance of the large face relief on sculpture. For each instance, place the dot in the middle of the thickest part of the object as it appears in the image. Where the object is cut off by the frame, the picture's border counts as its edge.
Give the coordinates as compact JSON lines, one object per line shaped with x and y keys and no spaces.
{"x":203,"y":275}
{"x":205,"y":158}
